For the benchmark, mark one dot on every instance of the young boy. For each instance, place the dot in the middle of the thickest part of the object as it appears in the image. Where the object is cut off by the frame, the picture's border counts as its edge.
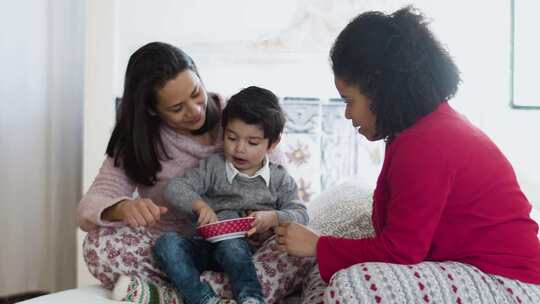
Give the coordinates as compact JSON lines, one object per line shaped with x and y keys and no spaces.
{"x":225,"y":186}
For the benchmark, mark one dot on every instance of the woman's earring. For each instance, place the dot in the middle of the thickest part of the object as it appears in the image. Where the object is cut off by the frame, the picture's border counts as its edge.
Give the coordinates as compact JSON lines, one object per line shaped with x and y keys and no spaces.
{"x":152,"y":113}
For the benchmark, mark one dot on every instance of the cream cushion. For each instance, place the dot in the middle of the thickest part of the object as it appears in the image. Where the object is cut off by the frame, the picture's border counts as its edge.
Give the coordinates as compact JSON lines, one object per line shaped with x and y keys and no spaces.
{"x":343,"y":210}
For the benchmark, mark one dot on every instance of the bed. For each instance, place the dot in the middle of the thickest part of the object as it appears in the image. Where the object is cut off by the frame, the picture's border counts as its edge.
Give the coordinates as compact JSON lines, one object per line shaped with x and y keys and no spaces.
{"x":85,"y":295}
{"x":96,"y":294}
{"x":330,"y":213}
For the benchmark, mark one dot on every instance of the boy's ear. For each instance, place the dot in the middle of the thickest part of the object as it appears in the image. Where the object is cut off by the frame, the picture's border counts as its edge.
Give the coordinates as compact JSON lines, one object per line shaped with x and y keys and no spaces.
{"x":274,"y":144}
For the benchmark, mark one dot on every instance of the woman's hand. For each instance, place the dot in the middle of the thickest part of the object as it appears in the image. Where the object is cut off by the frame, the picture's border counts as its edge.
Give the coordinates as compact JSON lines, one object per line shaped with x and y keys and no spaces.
{"x":205,"y":213}
{"x":297,"y":239}
{"x":135,"y":213}
{"x":258,"y":239}
{"x":264,"y":220}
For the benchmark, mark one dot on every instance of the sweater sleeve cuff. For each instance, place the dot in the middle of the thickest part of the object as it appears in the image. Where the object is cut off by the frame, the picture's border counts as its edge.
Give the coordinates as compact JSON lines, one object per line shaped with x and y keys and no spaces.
{"x":284,"y":216}
{"x":104,"y":223}
{"x":324,"y":257}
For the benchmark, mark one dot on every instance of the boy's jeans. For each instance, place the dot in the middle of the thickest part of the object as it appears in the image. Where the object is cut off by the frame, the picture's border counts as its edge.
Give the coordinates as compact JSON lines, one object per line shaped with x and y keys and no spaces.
{"x":184,"y":259}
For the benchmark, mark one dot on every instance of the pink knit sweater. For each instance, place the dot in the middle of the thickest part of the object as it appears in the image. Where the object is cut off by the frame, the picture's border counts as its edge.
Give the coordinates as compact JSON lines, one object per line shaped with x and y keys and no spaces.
{"x":111,"y":185}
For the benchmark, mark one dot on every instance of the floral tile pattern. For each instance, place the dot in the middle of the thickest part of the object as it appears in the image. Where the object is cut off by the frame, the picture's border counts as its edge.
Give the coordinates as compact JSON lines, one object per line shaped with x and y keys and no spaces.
{"x":321,"y":148}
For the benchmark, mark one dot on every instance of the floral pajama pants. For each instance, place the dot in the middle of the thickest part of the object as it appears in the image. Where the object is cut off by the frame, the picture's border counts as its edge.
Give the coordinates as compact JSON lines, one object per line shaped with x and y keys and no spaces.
{"x":113,"y":251}
{"x":427,"y":282}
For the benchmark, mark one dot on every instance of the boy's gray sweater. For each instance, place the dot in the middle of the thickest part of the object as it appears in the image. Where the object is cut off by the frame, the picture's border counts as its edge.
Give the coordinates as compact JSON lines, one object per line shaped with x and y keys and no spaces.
{"x":228,"y":200}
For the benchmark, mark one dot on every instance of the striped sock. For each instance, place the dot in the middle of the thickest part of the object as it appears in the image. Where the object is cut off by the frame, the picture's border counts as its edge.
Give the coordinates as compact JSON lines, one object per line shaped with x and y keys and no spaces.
{"x":135,"y":290}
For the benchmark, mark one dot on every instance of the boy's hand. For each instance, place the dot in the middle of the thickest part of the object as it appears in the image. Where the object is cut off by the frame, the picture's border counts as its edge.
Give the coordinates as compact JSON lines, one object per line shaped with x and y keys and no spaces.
{"x":264,"y":220}
{"x":205,"y":213}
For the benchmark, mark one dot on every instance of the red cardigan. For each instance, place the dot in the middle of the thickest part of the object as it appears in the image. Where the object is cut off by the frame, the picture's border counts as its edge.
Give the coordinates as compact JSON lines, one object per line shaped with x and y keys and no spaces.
{"x":445,"y":193}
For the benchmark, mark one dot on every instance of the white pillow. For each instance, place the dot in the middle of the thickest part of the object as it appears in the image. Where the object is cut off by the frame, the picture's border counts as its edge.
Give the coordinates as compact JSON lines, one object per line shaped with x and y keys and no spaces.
{"x":343,"y":210}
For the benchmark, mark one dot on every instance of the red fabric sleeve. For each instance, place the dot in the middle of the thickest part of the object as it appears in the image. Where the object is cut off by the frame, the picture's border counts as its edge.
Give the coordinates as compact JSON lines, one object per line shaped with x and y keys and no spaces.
{"x":418,"y":181}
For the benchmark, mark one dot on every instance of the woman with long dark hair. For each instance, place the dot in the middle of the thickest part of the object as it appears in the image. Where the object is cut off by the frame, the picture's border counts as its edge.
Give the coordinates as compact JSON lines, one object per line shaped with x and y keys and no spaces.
{"x":167,"y":122}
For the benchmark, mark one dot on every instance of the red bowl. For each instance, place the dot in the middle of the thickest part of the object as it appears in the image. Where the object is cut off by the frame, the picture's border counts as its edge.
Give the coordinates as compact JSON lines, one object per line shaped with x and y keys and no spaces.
{"x":227,"y":229}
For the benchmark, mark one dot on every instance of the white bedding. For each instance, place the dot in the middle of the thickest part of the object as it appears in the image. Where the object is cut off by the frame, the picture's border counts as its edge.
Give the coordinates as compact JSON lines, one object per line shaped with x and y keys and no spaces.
{"x":85,"y":295}
{"x":96,"y":294}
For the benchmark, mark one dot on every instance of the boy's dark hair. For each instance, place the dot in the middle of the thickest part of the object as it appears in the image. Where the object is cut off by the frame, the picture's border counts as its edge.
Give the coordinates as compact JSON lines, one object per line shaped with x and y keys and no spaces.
{"x":396,"y":62}
{"x":135,"y":142}
{"x":256,"y":106}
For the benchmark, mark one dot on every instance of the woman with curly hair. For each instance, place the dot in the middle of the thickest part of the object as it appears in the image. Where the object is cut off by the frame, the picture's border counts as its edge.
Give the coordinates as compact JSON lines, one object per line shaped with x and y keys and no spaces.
{"x":451,"y":222}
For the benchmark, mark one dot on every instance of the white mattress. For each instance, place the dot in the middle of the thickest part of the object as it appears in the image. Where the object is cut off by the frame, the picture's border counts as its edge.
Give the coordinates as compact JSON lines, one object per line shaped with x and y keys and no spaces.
{"x":98,"y":295}
{"x":85,"y":295}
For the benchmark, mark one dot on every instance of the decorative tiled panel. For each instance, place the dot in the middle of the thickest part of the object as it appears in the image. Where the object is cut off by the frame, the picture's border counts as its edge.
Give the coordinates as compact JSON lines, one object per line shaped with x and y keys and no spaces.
{"x":337,"y":159}
{"x":322,"y":148}
{"x":304,"y":161}
{"x":303,"y":115}
{"x":333,"y":118}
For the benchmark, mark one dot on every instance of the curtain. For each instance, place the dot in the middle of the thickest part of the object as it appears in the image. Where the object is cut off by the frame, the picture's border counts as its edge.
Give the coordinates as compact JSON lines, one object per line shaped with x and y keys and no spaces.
{"x":40,"y":134}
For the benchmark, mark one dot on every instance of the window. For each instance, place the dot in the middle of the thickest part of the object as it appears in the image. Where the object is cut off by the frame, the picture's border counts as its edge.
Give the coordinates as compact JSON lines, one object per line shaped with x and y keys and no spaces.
{"x":525,"y":54}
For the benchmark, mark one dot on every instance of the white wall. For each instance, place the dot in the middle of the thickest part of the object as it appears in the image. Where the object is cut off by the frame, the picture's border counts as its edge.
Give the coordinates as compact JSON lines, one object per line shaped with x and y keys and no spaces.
{"x":477,"y":33}
{"x":40,"y":136}
{"x":99,"y":65}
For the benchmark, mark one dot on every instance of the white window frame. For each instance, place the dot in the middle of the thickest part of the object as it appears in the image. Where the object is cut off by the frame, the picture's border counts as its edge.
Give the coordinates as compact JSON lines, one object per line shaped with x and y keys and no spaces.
{"x":525,"y":55}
